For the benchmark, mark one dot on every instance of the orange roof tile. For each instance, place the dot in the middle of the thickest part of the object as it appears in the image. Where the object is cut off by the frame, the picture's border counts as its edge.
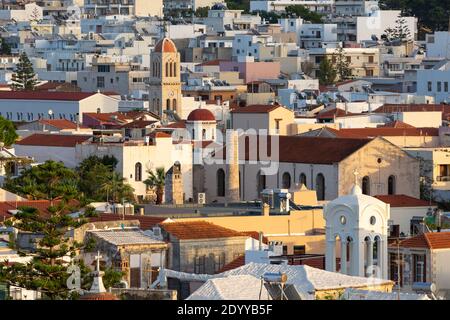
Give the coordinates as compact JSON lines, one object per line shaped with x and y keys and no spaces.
{"x":256,"y":108}
{"x":198,"y":230}
{"x":53,"y":140}
{"x":145,"y":222}
{"x":402,"y":200}
{"x":430,"y":240}
{"x":236,"y":263}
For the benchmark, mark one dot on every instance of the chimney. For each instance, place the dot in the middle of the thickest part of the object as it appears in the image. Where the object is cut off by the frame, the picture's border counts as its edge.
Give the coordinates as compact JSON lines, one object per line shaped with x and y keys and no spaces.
{"x":260,"y":240}
{"x":265,"y":209}
{"x":232,"y":165}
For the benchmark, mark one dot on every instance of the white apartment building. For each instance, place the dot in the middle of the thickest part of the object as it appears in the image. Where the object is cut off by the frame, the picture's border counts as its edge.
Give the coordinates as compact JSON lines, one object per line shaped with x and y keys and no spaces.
{"x":139,"y":8}
{"x":321,"y":6}
{"x":355,"y":7}
{"x":28,"y":106}
{"x":435,"y":83}
{"x":28,"y":12}
{"x":220,"y":20}
{"x":310,"y":35}
{"x":438,"y":44}
{"x":108,"y":74}
{"x":377,"y":22}
{"x":189,"y":4}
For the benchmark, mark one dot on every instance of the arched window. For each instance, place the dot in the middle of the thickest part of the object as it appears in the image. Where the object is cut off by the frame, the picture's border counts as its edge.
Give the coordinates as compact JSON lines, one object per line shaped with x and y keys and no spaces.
{"x":320,"y":187}
{"x":167,"y":69}
{"x":302,"y":179}
{"x":204,"y":134}
{"x":168,"y":104}
{"x":391,"y":185}
{"x":174,"y":69}
{"x":171,"y":69}
{"x":261,"y":182}
{"x":366,"y":185}
{"x":220,"y":183}
{"x":286,"y":180}
{"x":174,"y":104}
{"x":138,"y":172}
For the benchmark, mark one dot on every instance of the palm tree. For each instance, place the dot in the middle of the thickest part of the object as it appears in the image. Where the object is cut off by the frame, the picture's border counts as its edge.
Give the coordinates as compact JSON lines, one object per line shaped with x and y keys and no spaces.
{"x":157,"y":181}
{"x":117,"y":188}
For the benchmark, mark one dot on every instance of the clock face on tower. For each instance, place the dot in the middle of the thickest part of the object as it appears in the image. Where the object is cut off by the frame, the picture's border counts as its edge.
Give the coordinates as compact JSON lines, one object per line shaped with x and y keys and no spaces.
{"x":171,"y":93}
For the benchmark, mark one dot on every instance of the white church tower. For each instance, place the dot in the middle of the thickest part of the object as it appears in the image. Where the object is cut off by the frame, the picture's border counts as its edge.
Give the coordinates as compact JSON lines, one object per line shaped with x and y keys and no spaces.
{"x":357,"y":227}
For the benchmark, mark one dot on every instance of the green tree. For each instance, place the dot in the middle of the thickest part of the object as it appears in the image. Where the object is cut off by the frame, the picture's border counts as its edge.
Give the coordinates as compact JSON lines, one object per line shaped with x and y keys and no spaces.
{"x":24,"y":77}
{"x":399,"y":32}
{"x":202,"y":12}
{"x":5,"y":48}
{"x":432,"y":15}
{"x":94,"y":172}
{"x":47,"y":271}
{"x":343,"y":70}
{"x":304,"y":13}
{"x":116,"y":188}
{"x":8,"y":133}
{"x":327,"y":74}
{"x":156,"y":181}
{"x":50,"y":180}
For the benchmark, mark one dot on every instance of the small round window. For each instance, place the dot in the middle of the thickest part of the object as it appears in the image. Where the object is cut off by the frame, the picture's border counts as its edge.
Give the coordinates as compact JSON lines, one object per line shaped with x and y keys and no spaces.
{"x":343,"y":220}
{"x":373,"y":220}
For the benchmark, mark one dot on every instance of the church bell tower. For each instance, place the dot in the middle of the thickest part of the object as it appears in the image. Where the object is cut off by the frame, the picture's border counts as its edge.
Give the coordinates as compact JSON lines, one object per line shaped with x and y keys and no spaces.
{"x":165,"y":83}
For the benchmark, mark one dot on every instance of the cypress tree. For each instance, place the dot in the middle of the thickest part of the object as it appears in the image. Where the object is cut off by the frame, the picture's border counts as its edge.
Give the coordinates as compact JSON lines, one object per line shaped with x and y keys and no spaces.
{"x":24,"y":78}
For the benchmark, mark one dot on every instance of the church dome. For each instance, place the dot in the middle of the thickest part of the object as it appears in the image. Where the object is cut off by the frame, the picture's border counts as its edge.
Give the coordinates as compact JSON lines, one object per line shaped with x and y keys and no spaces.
{"x":201,"y":115}
{"x":165,"y":45}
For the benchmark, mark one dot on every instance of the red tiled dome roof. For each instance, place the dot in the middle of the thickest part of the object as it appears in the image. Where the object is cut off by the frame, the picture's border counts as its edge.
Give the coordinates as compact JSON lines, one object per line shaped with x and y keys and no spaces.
{"x":201,"y":115}
{"x":99,"y":296}
{"x":165,"y":45}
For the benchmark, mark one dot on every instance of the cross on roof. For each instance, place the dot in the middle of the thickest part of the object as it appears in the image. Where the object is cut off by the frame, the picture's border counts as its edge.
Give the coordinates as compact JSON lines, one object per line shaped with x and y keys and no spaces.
{"x":97,"y":257}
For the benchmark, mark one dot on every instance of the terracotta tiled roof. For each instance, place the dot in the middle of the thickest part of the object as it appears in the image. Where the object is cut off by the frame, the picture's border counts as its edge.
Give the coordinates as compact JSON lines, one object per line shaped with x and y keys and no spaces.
{"x":41,"y":205}
{"x":138,"y":124}
{"x":402,"y":200}
{"x":177,"y":125}
{"x":236,"y":263}
{"x":316,"y":150}
{"x":59,"y":123}
{"x":431,"y":240}
{"x":198,"y":230}
{"x":390,"y":108}
{"x":146,"y":222}
{"x":256,"y":108}
{"x":107,"y":117}
{"x":334,"y":113}
{"x":438,"y":240}
{"x":44,"y":95}
{"x":396,"y":124}
{"x":255,"y":235}
{"x":99,"y":296}
{"x":413,"y":242}
{"x":388,"y":132}
{"x":53,"y":140}
{"x":211,"y":63}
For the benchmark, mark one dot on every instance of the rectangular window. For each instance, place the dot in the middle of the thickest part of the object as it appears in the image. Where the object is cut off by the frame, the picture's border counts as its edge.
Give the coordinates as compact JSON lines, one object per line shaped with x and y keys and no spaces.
{"x":103,"y":68}
{"x":419,"y":268}
{"x":199,"y":264}
{"x":430,"y":86}
{"x":439,"y":86}
{"x":100,"y":82}
{"x":446,"y":86}
{"x":299,"y":250}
